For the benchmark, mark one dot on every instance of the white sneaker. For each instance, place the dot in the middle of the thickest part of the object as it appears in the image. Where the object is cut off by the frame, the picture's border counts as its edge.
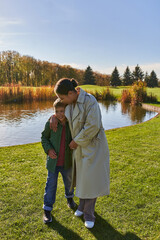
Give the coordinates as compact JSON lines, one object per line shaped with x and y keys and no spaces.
{"x":89,"y":224}
{"x":78,"y":213}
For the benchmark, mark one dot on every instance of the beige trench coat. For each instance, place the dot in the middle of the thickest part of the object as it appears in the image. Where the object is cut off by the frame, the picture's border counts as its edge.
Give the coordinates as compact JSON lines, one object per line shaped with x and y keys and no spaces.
{"x":91,"y":158}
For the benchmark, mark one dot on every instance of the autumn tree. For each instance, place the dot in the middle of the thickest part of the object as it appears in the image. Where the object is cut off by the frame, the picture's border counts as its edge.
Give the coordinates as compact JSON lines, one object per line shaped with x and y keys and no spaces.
{"x":102,"y":79}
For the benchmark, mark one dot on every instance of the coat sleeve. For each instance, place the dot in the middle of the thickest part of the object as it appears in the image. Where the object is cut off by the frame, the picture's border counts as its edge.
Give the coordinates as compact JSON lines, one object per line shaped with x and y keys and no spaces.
{"x":45,"y":135}
{"x":91,"y":126}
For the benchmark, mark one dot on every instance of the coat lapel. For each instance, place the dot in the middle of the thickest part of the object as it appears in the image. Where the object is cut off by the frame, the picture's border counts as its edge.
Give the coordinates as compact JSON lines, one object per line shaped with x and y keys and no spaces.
{"x":71,"y":116}
{"x":67,"y":113}
{"x":68,"y":116}
{"x":80,"y":101}
{"x":75,"y":112}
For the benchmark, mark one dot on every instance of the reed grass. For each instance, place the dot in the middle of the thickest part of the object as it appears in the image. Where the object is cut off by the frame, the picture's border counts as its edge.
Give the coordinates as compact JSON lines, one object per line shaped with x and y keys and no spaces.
{"x":104,"y":94}
{"x":17,"y":93}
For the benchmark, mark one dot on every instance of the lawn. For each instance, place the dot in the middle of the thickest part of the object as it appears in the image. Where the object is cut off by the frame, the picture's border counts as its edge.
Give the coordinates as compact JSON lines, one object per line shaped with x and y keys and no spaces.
{"x":131,"y":212}
{"x":117,"y":91}
{"x":154,"y":91}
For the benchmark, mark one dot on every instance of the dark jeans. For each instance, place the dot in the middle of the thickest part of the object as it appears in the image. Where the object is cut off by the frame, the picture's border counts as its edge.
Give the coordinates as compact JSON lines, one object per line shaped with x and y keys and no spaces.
{"x":51,"y":186}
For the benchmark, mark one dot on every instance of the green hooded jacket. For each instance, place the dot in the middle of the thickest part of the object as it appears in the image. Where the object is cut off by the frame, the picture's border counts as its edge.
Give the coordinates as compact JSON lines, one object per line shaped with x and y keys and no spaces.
{"x":52,"y":140}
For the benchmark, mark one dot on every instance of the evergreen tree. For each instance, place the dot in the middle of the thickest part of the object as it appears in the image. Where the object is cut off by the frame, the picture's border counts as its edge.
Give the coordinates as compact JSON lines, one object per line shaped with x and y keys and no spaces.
{"x":138,"y":73}
{"x":147,"y":78}
{"x":153,"y":80}
{"x":127,"y":77}
{"x":115,"y":78}
{"x":89,"y":77}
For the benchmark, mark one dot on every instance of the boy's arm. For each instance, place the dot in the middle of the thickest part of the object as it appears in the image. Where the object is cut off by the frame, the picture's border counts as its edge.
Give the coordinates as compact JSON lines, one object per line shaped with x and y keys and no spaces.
{"x":46,"y":144}
{"x":53,"y":123}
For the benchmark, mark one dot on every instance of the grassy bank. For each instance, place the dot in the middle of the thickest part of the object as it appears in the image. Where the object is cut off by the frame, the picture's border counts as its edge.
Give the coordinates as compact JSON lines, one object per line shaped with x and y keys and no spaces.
{"x":18,"y":93}
{"x":117,"y":91}
{"x":154,"y":91}
{"x":130,"y":212}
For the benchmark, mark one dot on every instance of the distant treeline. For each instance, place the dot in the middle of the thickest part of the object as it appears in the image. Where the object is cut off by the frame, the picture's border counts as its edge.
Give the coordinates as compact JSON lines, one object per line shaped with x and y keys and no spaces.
{"x":28,"y":71}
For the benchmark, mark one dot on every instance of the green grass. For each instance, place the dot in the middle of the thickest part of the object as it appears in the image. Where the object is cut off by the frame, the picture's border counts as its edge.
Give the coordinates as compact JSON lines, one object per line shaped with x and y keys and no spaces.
{"x":117,"y":91}
{"x":131,"y":212}
{"x":154,"y":91}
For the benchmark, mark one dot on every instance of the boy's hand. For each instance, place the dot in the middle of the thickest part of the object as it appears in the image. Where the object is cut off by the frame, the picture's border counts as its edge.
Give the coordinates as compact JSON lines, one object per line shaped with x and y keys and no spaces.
{"x":53,"y":123}
{"x":52,"y":154}
{"x":73,"y":145}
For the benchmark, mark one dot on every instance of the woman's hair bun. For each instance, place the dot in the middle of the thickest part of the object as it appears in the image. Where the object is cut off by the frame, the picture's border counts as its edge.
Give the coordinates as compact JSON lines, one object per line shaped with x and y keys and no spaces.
{"x":74,"y":82}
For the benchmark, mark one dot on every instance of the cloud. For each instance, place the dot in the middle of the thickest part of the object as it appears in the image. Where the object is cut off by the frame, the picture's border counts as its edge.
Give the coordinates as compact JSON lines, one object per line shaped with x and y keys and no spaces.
{"x":121,"y":68}
{"x":149,"y":67}
{"x":8,"y":34}
{"x":75,"y":65}
{"x":7,"y":22}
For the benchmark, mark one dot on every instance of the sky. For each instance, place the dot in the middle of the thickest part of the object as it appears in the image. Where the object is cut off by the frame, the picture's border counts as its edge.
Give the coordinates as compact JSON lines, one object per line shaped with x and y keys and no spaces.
{"x":99,"y":33}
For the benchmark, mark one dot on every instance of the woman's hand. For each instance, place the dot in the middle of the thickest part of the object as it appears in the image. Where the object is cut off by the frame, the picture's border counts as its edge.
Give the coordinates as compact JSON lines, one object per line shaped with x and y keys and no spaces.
{"x":53,"y":123}
{"x":73,"y":145}
{"x":52,"y":154}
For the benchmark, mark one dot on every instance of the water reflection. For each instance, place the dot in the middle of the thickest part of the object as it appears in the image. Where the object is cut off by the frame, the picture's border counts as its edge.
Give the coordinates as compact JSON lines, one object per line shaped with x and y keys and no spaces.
{"x":136,"y":113}
{"x":115,"y":114}
{"x":23,"y":123}
{"x":16,"y":112}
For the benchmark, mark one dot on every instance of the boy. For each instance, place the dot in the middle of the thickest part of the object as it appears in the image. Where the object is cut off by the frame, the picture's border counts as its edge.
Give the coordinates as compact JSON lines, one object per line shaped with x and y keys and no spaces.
{"x":59,"y":159}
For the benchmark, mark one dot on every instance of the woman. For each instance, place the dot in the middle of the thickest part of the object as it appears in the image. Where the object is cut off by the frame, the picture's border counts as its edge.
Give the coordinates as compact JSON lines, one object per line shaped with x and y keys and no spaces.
{"x":91,"y":153}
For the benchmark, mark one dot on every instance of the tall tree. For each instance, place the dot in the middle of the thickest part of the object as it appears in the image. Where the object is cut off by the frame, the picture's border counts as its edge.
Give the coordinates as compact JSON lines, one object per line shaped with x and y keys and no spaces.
{"x":138,"y":73}
{"x":153,"y":80}
{"x":127,"y":77}
{"x":115,"y":78}
{"x":89,"y":77}
{"x":146,"y":78}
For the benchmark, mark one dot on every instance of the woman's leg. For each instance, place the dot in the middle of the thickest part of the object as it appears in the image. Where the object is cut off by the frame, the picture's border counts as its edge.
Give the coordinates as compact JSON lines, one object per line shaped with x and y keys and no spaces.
{"x":81,"y":204}
{"x":88,"y":210}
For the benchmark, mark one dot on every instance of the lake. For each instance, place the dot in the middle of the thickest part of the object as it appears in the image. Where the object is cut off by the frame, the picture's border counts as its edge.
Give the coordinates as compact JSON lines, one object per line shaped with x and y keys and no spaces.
{"x":23,"y":123}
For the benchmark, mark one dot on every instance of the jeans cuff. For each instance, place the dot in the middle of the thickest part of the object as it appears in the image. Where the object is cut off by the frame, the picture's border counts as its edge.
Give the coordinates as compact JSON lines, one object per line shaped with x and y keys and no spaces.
{"x":47,"y":208}
{"x":69,"y":196}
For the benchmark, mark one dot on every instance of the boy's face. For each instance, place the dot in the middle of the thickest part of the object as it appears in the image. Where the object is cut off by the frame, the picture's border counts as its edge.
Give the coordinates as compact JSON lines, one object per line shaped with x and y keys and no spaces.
{"x":60,"y":113}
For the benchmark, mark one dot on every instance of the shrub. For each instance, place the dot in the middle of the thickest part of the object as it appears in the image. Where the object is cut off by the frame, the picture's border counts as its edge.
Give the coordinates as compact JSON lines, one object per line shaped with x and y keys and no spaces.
{"x":126,"y":96}
{"x":137,"y":94}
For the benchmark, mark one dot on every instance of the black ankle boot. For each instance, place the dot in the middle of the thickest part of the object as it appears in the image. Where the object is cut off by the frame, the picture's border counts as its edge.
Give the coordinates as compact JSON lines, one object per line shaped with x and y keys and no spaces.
{"x":47,"y":218}
{"x":71,"y":203}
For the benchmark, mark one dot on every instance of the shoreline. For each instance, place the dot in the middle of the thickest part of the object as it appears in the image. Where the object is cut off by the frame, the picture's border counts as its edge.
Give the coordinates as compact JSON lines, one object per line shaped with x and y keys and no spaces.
{"x":151,"y":107}
{"x":145,"y":106}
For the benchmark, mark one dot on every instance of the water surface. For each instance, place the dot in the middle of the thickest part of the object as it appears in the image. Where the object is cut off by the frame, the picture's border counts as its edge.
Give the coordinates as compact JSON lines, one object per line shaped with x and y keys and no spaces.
{"x":23,"y":123}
